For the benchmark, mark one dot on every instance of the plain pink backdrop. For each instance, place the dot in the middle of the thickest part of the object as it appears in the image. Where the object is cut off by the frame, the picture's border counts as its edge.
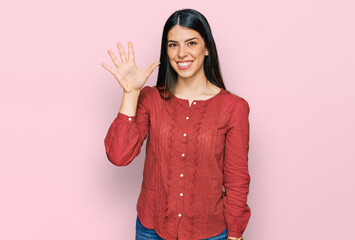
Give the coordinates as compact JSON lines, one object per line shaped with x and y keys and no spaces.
{"x":293,"y":61}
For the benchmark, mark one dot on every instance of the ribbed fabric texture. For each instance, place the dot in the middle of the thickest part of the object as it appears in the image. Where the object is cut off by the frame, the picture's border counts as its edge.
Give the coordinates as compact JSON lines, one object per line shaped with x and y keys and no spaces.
{"x":191,"y":152}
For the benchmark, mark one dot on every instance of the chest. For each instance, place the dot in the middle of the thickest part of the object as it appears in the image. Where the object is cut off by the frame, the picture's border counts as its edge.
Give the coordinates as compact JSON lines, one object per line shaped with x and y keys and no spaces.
{"x":182,"y":130}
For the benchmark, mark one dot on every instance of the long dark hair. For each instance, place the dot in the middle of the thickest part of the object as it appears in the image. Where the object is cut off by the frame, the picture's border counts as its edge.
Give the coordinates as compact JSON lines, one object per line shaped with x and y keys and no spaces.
{"x":167,"y":77}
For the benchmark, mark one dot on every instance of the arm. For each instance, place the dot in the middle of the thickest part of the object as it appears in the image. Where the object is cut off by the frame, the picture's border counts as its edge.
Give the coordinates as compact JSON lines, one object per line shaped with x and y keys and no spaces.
{"x":236,"y":177}
{"x":128,"y":131}
{"x":126,"y":134}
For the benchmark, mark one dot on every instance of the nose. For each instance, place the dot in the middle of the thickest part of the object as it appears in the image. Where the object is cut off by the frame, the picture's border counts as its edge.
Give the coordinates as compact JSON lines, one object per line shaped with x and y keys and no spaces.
{"x":182,"y":52}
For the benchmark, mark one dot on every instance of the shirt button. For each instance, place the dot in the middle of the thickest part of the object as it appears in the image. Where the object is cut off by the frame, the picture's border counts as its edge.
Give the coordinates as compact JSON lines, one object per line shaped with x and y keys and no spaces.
{"x":187,"y":117}
{"x":129,"y":119}
{"x":183,"y":154}
{"x":181,"y":194}
{"x":179,"y":214}
{"x":194,"y":102}
{"x":184,"y":134}
{"x":181,"y":175}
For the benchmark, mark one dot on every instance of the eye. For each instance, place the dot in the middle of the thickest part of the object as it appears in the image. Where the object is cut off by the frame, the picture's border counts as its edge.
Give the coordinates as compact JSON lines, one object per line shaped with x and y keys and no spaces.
{"x":172,"y":45}
{"x":192,"y":43}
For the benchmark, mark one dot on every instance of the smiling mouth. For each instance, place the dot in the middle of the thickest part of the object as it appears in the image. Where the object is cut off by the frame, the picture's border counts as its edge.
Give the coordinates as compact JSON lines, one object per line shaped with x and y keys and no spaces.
{"x":184,"y":65}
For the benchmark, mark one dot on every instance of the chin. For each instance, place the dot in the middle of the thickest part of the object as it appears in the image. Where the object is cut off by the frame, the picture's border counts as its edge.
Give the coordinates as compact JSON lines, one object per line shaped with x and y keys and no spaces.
{"x":185,"y":75}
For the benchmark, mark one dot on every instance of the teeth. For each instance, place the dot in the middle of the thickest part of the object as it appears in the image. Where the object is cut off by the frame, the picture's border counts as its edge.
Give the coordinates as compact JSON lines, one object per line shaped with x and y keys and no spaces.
{"x":184,"y":64}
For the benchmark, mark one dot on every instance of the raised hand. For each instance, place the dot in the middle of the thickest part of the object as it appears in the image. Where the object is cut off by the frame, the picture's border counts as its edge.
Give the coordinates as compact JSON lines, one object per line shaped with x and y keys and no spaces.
{"x":127,"y":74}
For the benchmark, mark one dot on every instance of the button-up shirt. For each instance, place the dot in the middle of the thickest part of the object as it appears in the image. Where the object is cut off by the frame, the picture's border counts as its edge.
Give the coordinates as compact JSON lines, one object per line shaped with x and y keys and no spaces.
{"x":195,"y":178}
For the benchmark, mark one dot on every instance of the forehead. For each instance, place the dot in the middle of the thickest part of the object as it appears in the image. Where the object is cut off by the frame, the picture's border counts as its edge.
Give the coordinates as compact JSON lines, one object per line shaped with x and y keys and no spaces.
{"x":180,"y":33}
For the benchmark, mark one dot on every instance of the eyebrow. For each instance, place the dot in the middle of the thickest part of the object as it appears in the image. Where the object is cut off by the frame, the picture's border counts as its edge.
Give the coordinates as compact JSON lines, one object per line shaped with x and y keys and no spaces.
{"x":185,"y":40}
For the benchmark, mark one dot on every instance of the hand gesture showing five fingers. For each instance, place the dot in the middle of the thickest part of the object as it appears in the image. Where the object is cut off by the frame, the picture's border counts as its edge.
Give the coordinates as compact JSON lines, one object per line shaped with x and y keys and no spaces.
{"x":127,"y":74}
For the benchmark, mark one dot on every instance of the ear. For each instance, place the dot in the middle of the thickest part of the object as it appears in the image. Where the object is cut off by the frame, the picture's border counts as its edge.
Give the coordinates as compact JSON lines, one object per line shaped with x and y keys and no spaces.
{"x":206,"y":53}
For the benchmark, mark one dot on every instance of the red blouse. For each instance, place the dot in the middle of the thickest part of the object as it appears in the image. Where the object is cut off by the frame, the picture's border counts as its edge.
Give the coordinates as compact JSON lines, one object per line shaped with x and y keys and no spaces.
{"x":195,"y":177}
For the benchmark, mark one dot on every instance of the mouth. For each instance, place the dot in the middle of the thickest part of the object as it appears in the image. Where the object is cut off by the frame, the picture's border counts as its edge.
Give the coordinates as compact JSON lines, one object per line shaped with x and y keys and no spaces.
{"x":184,"y":64}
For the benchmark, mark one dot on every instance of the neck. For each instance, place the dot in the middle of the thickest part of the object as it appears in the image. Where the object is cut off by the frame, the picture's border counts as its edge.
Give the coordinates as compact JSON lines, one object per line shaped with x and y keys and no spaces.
{"x":191,"y":86}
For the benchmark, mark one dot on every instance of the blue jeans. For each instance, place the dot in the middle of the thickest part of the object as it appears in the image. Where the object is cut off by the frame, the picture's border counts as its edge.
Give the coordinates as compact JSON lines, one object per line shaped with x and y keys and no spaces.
{"x":143,"y":233}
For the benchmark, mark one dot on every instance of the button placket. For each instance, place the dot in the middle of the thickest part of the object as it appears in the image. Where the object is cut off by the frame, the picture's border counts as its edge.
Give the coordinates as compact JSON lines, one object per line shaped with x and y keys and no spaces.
{"x":183,"y":156}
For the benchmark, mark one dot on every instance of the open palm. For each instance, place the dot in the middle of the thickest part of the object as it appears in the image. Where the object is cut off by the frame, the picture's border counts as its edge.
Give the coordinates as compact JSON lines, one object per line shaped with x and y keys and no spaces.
{"x":127,"y":74}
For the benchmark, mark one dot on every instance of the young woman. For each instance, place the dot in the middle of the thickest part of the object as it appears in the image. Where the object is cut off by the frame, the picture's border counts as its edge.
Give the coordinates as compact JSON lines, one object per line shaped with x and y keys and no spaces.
{"x":195,"y":178}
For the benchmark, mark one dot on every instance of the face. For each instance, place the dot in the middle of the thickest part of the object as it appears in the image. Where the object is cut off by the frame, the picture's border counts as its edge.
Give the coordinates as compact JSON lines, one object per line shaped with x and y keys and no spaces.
{"x":186,"y":52}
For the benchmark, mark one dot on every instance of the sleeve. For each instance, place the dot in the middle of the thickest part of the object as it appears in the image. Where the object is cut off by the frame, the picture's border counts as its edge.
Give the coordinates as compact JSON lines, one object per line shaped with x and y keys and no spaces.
{"x":126,"y":134}
{"x":236,"y":177}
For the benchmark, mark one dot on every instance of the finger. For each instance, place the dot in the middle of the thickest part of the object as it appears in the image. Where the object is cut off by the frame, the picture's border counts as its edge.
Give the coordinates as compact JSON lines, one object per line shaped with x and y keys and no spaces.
{"x":122,"y":54}
{"x":111,"y":70}
{"x":130,"y":51}
{"x":150,"y":69}
{"x":113,"y":57}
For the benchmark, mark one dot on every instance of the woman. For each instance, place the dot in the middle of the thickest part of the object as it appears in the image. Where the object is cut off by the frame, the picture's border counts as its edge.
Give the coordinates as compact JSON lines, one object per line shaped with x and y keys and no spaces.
{"x":195,"y":178}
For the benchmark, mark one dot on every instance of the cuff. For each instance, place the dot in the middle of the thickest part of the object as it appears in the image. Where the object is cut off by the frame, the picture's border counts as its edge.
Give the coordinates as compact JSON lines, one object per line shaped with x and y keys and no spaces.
{"x":126,"y":118}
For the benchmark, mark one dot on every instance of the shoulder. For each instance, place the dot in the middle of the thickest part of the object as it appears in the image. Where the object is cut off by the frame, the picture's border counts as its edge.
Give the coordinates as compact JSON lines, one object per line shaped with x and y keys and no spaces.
{"x":145,"y":96}
{"x":148,"y":96}
{"x":147,"y":93}
{"x":146,"y":90}
{"x":233,"y":103}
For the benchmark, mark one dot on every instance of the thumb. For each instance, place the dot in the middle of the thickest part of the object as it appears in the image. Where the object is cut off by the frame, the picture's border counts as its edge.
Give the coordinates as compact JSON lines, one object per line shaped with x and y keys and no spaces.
{"x":151,"y":68}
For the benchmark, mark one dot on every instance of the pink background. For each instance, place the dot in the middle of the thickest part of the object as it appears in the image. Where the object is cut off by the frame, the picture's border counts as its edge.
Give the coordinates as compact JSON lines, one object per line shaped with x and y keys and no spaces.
{"x":293,"y":61}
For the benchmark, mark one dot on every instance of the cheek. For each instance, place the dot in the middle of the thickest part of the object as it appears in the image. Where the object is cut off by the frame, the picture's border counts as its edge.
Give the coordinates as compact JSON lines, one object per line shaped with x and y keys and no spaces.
{"x":171,"y":54}
{"x":201,"y":53}
{"x":171,"y":57}
{"x":171,"y":61}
